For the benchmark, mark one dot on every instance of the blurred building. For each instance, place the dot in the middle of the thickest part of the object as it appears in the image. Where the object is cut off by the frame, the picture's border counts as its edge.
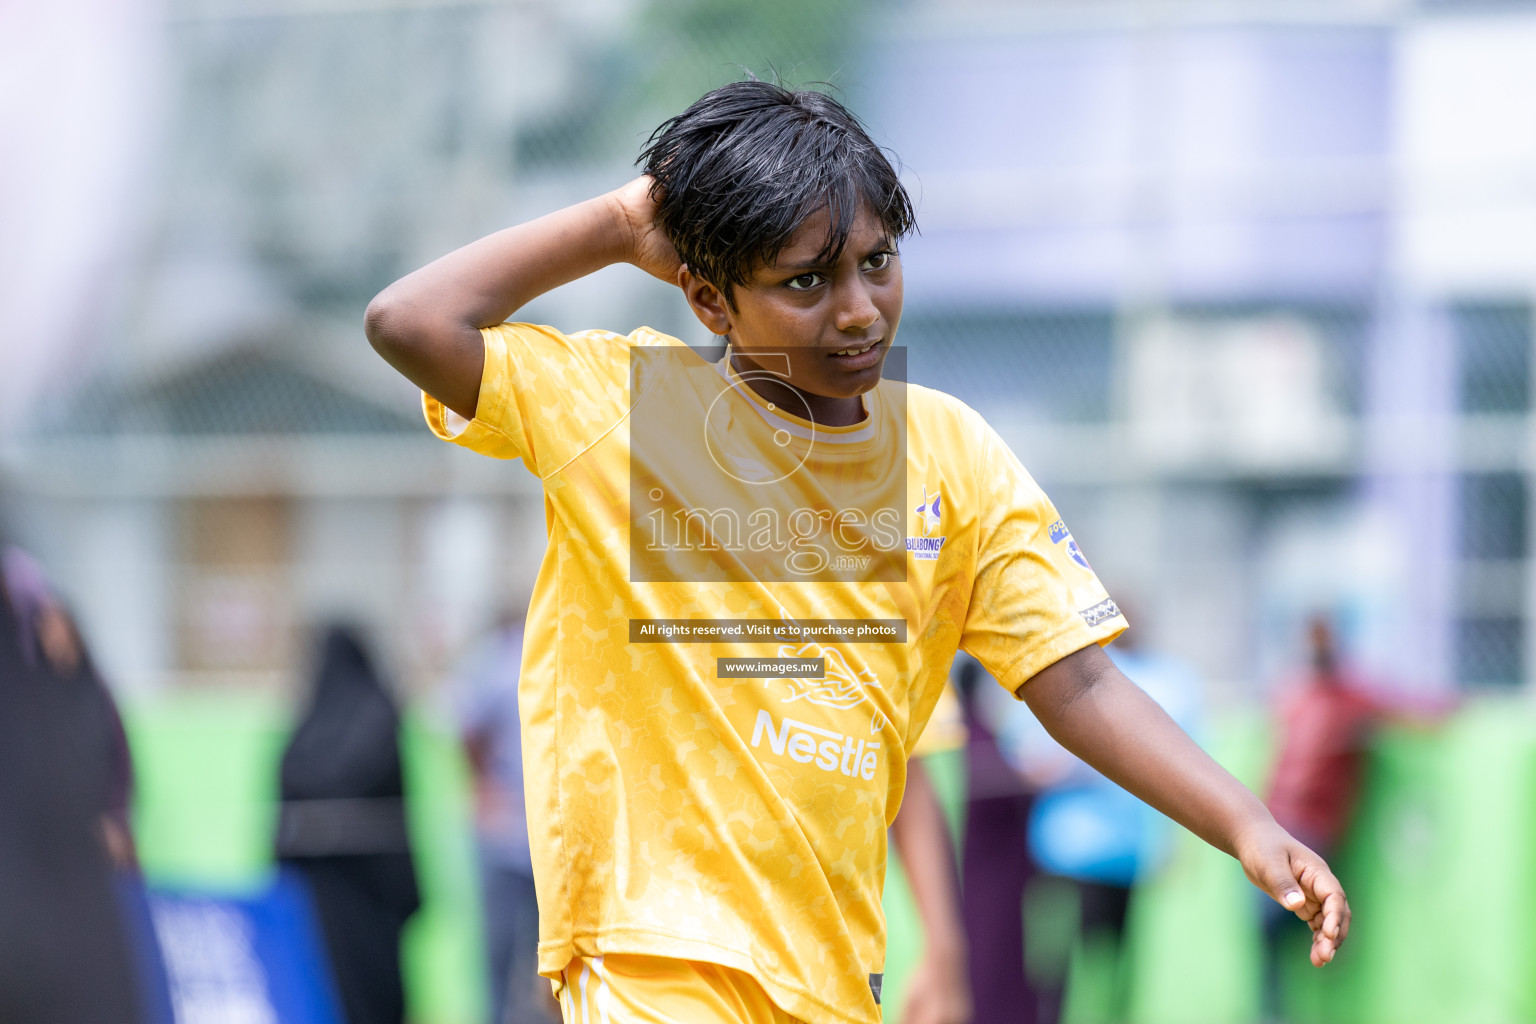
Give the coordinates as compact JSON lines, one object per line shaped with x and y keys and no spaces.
{"x":1230,"y":275}
{"x":1247,"y":285}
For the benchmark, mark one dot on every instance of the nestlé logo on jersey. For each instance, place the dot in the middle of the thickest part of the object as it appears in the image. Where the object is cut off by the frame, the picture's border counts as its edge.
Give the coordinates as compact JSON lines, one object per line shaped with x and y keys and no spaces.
{"x":830,"y":751}
{"x":845,"y":687}
{"x":842,"y":686}
{"x":929,"y":516}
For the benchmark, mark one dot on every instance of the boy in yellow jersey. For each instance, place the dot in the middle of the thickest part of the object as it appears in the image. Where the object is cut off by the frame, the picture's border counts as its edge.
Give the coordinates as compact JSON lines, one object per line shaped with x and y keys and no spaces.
{"x":760,"y":565}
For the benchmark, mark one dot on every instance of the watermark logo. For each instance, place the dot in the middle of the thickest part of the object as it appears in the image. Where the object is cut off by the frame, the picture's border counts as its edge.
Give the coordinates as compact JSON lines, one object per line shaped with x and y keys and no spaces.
{"x":732,"y":480}
{"x":747,"y":465}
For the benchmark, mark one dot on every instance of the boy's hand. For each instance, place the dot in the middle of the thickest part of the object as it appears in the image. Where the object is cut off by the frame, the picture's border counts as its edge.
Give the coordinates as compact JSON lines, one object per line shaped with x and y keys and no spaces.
{"x":648,"y":248}
{"x":1299,"y":881}
{"x":938,"y":992}
{"x":1088,"y":705}
{"x":428,"y":323}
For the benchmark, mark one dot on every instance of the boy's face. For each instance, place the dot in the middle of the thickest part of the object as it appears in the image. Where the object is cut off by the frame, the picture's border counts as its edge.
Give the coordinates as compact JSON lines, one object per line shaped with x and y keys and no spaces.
{"x":830,"y":324}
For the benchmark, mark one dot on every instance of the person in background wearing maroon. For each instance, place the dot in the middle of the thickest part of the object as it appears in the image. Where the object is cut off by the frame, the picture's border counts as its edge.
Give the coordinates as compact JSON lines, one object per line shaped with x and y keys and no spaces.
{"x":1324,"y":725}
{"x":1324,"y":728}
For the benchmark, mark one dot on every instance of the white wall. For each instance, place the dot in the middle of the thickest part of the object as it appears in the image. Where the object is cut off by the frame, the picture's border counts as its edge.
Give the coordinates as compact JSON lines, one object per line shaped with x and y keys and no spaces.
{"x":1466,"y":152}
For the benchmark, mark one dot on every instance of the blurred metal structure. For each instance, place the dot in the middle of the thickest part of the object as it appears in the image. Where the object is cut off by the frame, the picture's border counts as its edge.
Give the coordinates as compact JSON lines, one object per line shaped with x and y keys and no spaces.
{"x":1247,"y":286}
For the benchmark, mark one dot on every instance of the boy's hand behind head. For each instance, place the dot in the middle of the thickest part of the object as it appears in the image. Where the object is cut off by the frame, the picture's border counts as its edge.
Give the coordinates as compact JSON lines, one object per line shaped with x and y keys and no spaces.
{"x":635,"y":206}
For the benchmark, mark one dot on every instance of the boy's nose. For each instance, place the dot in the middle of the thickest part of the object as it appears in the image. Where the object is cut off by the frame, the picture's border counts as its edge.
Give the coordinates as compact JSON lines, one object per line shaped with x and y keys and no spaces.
{"x":856,"y":310}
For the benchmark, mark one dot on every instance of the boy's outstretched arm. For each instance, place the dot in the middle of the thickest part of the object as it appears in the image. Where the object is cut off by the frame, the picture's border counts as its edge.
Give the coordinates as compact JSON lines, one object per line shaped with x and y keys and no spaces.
{"x":427,"y":324}
{"x":1093,"y":710}
{"x":939,"y":990}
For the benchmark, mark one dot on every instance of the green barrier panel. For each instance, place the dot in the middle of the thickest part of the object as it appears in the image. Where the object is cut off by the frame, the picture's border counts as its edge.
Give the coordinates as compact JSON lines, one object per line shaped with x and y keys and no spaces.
{"x":1192,"y":944}
{"x":1191,"y":931}
{"x":205,"y":799}
{"x":1438,"y":870}
{"x":442,"y":948}
{"x":205,"y":807}
{"x":1438,"y":867}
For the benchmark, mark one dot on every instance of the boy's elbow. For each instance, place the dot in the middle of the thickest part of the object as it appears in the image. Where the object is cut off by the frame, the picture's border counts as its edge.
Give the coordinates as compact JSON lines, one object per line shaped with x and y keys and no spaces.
{"x":386,"y":323}
{"x":442,"y":356}
{"x":410,"y":333}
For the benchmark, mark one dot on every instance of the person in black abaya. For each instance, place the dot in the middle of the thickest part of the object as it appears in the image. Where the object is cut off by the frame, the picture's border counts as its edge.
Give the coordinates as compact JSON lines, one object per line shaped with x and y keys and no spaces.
{"x":64,"y":954}
{"x":342,"y":827}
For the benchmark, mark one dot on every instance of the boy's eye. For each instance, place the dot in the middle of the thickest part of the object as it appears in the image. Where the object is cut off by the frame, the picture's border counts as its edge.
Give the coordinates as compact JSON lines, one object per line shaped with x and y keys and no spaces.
{"x":879,"y":260}
{"x":804,"y":281}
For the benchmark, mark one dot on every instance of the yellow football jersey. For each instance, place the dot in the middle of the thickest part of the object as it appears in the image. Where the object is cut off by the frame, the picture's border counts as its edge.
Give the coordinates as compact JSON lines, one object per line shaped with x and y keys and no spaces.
{"x":680,"y":809}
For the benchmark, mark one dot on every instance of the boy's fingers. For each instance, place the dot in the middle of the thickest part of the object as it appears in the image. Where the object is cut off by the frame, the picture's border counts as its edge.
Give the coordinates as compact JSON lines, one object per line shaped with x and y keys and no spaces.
{"x":1330,"y":924}
{"x":1336,"y":917}
{"x":1321,"y":903}
{"x":1327,"y":924}
{"x":1325,"y":893}
{"x":1300,"y":881}
{"x":1324,"y":947}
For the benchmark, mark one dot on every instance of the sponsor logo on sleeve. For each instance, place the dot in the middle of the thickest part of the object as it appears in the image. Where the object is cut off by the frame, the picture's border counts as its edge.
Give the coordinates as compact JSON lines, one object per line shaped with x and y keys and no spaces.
{"x":1059,"y":533}
{"x":1077,"y":555}
{"x":1106,"y":609}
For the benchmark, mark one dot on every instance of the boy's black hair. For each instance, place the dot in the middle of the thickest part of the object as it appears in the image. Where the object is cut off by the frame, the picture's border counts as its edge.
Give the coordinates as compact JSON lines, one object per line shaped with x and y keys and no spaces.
{"x":744,"y":166}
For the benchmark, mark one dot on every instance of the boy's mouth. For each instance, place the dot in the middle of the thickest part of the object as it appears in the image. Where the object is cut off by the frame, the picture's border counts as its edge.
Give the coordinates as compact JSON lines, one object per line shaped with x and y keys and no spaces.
{"x":857,"y":356}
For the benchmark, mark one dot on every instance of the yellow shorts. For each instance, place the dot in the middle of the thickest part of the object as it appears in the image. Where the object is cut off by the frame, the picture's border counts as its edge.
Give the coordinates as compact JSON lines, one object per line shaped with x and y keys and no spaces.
{"x":628,"y":989}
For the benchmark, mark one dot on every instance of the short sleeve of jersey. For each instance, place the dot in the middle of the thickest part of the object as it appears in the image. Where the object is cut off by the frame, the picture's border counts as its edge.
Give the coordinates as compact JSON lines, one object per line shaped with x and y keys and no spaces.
{"x":1035,"y":598}
{"x":544,"y":396}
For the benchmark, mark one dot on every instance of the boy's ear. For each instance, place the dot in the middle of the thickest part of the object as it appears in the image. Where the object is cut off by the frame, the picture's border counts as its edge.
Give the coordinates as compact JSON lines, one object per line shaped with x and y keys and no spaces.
{"x":707,"y":301}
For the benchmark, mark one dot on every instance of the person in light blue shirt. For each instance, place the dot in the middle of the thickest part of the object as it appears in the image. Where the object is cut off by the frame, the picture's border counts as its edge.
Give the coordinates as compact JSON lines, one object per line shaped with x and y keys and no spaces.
{"x":1083,"y":829}
{"x":485,"y":704}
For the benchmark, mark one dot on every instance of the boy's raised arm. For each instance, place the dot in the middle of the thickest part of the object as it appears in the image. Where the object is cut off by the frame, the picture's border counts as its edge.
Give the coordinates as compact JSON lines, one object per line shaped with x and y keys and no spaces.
{"x":1093,"y":710}
{"x":427,"y":324}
